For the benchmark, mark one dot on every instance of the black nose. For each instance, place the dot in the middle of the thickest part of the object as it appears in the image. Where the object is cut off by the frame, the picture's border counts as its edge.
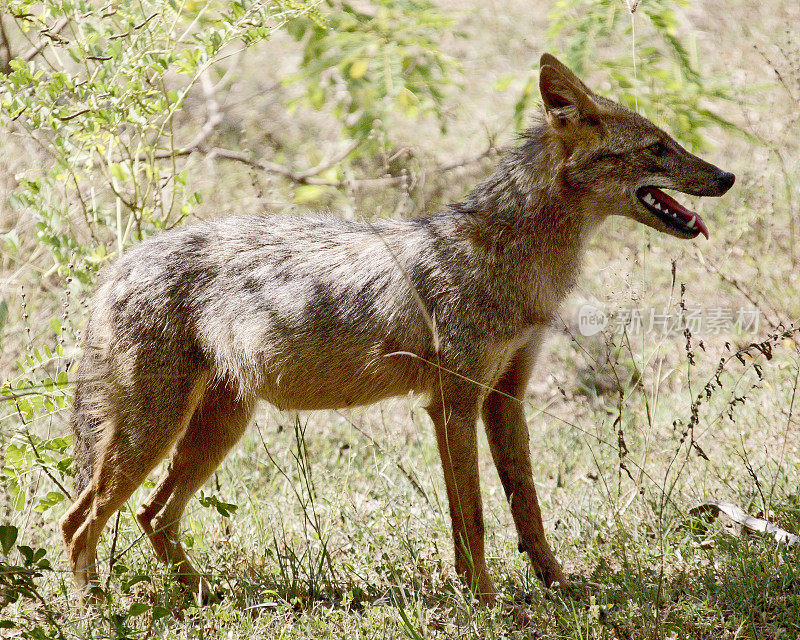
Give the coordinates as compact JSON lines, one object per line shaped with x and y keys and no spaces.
{"x":726,"y":180}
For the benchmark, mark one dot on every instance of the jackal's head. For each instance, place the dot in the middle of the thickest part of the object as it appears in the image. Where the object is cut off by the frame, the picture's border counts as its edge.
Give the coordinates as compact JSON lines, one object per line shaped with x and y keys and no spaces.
{"x":621,"y":161}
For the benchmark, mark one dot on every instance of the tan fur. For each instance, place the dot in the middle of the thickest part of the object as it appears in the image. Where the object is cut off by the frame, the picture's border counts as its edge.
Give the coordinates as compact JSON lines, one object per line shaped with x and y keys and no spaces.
{"x":190,"y":328}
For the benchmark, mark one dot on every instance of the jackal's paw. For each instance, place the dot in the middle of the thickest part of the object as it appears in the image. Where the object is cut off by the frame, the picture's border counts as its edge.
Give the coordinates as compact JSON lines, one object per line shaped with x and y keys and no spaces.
{"x":552,"y":576}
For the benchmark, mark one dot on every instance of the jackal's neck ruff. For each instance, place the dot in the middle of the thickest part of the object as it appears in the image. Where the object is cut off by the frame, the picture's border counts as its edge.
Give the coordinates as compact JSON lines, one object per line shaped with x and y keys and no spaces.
{"x":529,"y":224}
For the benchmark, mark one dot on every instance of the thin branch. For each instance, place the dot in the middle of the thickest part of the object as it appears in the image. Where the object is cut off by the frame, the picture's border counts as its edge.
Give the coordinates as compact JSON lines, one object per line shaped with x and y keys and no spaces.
{"x":308,"y":177}
{"x":48,"y":35}
{"x":73,"y":115}
{"x":213,"y":118}
{"x":773,"y":322}
{"x":44,"y":468}
{"x":328,"y":163}
{"x":15,"y":395}
{"x":112,"y":559}
{"x":5,"y":66}
{"x":232,"y":68}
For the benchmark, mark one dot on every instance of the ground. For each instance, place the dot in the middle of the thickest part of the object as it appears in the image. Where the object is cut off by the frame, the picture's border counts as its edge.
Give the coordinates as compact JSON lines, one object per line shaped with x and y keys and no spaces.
{"x":340,"y":525}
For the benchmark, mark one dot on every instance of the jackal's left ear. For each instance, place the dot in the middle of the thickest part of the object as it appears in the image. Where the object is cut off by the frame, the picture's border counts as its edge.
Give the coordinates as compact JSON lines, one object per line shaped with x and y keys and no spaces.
{"x":566,"y":99}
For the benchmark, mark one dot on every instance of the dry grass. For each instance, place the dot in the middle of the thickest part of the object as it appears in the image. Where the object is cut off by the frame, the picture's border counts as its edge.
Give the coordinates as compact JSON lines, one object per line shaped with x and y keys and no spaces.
{"x":353,"y":540}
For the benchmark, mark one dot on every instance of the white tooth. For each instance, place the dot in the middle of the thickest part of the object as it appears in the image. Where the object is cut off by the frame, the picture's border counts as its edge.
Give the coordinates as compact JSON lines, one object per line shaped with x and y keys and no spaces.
{"x":674,"y":215}
{"x":691,"y":223}
{"x":649,"y":199}
{"x":657,"y":206}
{"x":667,"y":210}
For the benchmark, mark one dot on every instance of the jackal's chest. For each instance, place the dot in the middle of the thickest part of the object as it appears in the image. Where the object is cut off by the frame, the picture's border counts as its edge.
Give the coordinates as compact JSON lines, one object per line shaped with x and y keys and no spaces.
{"x":499,"y":355}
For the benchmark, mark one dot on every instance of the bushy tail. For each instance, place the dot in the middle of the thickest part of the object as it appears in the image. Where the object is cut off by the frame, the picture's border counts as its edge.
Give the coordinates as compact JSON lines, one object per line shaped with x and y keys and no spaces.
{"x":85,"y":427}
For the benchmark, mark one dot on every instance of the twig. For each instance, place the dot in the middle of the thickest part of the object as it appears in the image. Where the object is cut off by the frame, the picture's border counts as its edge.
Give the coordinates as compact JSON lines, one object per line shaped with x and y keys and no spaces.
{"x":777,"y":71}
{"x":49,"y":34}
{"x":308,"y":177}
{"x":213,"y":118}
{"x":44,"y":468}
{"x":264,"y":165}
{"x":328,"y":163}
{"x":5,"y":66}
{"x":145,"y":21}
{"x":14,"y":395}
{"x":774,"y":323}
{"x":112,"y":559}
{"x":232,"y":68}
{"x":73,"y":115}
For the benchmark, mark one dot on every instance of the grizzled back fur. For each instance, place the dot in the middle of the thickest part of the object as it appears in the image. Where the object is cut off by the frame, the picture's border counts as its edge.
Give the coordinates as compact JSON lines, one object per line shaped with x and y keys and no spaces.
{"x":307,"y":312}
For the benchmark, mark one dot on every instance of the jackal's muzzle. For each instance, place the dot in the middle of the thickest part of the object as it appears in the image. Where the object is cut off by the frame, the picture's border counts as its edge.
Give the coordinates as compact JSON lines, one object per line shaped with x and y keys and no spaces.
{"x":682,"y":221}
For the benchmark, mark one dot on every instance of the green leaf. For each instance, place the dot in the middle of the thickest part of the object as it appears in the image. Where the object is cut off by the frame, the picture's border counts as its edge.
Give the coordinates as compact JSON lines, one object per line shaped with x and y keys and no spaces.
{"x":307,"y":193}
{"x":15,"y":455}
{"x":117,"y":171}
{"x":55,"y":325}
{"x":359,"y":68}
{"x":50,"y":500}
{"x":17,"y":496}
{"x":138,"y":608}
{"x":225,"y":509}
{"x":58,"y":444}
{"x":27,"y":554}
{"x":8,"y":536}
{"x":3,"y":315}
{"x":160,"y":612}
{"x":26,"y":408}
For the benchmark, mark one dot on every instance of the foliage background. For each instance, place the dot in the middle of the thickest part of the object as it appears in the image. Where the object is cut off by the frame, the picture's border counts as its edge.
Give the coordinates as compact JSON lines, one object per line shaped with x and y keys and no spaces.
{"x":120,"y":120}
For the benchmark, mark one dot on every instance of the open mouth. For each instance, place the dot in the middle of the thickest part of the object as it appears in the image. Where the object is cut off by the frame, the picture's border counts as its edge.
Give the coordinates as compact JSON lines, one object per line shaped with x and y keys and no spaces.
{"x":672,"y":212}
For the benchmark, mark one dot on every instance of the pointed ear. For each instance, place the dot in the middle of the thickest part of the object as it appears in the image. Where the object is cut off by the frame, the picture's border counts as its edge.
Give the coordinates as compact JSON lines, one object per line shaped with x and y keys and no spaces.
{"x":565,"y":97}
{"x":551,"y":61}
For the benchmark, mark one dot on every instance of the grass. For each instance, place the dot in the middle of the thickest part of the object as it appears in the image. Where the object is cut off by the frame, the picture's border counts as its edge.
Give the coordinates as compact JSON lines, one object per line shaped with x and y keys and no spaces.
{"x":335,"y":524}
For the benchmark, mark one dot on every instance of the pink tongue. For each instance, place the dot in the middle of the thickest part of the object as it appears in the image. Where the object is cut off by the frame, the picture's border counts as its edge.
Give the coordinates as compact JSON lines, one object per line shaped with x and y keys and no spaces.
{"x":676,"y":207}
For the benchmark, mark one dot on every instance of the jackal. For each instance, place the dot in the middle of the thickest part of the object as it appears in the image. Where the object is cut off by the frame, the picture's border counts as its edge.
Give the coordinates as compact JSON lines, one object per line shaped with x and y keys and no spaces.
{"x":188,"y":329}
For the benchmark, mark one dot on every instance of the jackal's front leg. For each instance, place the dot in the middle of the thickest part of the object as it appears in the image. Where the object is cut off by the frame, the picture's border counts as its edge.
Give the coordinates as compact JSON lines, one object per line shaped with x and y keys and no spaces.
{"x":507,"y":432}
{"x":456,"y":435}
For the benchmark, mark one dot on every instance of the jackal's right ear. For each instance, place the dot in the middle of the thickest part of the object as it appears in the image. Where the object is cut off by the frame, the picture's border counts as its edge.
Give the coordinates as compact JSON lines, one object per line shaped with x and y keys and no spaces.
{"x":566,"y":99}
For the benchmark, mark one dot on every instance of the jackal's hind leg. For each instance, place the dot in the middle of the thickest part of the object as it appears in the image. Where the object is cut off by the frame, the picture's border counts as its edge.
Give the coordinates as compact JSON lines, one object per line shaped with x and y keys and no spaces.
{"x":216,"y":426}
{"x":507,"y":432}
{"x":132,"y":442}
{"x":120,"y":470}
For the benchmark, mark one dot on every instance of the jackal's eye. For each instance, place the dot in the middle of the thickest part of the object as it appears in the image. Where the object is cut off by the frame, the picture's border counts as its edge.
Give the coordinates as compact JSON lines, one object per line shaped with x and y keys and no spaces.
{"x":657,"y":149}
{"x":605,"y":155}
